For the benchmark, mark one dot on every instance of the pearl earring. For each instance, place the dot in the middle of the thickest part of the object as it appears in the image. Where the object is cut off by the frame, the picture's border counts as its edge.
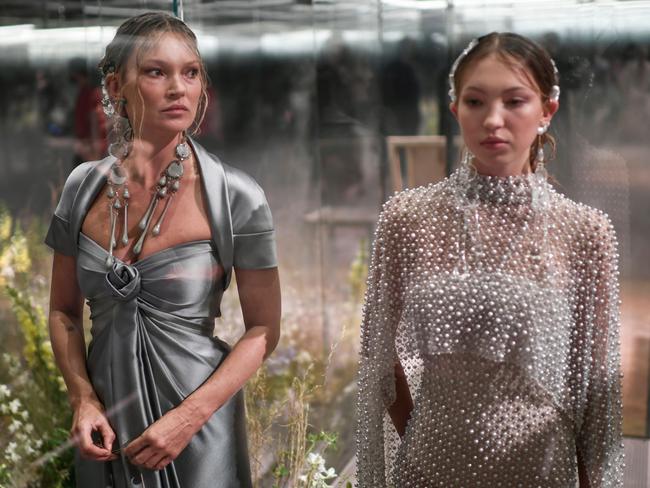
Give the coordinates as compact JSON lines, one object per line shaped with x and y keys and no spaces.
{"x":541,"y":130}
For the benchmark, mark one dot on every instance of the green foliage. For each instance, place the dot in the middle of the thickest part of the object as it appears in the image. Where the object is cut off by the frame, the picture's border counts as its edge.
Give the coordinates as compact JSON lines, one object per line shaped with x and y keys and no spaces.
{"x":37,"y":350}
{"x":34,"y":413}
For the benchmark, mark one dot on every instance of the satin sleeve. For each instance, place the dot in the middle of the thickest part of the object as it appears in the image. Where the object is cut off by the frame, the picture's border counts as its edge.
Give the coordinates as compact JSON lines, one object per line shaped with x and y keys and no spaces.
{"x":59,"y":236}
{"x":252,"y":223}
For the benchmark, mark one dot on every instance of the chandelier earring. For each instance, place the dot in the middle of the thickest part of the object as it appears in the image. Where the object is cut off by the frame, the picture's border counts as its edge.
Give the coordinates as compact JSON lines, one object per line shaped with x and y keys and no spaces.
{"x":540,"y":167}
{"x":466,"y":161}
{"x":540,"y":194}
{"x":107,"y":103}
{"x":120,"y":135}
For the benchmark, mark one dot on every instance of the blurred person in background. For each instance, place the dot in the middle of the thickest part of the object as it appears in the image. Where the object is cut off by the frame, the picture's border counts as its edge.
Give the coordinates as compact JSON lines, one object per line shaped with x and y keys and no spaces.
{"x":89,"y":120}
{"x":401,"y":93}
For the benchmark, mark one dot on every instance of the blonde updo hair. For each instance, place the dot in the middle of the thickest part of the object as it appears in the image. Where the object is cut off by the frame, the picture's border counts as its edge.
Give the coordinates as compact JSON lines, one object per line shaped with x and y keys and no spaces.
{"x":140,"y":33}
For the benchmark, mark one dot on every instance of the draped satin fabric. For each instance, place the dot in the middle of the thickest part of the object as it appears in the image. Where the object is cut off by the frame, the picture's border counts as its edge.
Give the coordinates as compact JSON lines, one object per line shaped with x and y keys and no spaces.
{"x":152,"y":326}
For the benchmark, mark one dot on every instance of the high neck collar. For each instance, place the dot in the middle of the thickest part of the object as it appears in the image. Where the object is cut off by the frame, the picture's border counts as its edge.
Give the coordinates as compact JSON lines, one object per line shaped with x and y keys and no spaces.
{"x":499,"y":190}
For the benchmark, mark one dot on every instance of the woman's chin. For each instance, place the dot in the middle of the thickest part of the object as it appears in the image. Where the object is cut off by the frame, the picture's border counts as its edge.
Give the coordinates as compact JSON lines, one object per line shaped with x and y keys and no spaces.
{"x":167,"y":128}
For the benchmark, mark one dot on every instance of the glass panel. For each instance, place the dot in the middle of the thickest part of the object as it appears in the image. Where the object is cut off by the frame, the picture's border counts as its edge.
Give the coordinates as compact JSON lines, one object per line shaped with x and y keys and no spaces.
{"x":304,"y":96}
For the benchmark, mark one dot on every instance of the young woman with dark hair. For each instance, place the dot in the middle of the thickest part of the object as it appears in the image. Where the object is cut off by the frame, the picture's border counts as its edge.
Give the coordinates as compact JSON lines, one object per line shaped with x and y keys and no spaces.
{"x":490,"y":354}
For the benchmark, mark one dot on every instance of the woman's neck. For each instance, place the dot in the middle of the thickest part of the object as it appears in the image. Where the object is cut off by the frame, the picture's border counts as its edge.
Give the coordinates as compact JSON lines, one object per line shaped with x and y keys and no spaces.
{"x":502,"y":170}
{"x":150,"y":157}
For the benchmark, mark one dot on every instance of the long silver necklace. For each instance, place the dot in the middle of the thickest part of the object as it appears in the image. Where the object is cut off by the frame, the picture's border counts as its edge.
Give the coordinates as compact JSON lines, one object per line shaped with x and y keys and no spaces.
{"x":118,"y":195}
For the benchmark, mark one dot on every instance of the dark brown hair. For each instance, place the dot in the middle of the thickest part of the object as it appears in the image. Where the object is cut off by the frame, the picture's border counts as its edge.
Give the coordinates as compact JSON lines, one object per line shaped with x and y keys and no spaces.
{"x":521,"y":53}
{"x":138,"y":33}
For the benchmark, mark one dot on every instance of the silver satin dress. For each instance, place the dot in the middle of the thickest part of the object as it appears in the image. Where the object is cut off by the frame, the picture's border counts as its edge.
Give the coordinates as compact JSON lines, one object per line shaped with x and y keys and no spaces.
{"x":153,"y":321}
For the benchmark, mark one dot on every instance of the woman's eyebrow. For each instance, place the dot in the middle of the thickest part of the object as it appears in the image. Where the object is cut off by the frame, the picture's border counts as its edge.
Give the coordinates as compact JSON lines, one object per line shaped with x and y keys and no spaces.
{"x":517,"y":88}
{"x":162,"y":62}
{"x":507,"y":90}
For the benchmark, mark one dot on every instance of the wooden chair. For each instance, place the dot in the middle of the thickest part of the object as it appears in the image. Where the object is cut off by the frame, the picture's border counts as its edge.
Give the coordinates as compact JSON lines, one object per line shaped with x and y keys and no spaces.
{"x":425,"y":158}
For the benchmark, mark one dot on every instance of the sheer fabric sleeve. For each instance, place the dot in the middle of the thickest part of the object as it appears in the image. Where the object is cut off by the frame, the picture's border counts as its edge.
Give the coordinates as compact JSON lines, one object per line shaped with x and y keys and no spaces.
{"x":253,"y":233}
{"x":59,"y":236}
{"x":381,"y":315}
{"x":600,"y":451}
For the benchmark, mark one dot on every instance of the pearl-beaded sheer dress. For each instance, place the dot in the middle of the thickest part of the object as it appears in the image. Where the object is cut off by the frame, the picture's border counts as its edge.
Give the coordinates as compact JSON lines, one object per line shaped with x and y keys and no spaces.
{"x":499,"y":298}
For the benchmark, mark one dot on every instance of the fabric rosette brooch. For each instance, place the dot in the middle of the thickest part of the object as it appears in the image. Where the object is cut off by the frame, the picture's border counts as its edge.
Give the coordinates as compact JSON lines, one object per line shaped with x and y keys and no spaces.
{"x":124,"y":281}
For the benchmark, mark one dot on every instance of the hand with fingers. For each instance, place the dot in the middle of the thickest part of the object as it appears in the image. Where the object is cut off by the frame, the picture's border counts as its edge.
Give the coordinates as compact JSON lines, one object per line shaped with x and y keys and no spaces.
{"x":89,"y":422}
{"x":163,"y":440}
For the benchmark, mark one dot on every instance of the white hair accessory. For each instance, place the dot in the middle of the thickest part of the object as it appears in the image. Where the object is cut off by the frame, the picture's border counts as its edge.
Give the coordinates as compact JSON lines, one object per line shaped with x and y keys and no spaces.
{"x":452,"y":91}
{"x":555,"y":89}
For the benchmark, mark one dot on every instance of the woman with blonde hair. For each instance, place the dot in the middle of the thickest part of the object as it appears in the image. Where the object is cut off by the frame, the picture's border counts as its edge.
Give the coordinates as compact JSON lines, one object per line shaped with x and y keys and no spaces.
{"x":149,"y":236}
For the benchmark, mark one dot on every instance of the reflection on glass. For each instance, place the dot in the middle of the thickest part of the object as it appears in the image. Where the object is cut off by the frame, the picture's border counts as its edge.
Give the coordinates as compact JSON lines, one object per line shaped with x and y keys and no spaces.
{"x":303,"y":97}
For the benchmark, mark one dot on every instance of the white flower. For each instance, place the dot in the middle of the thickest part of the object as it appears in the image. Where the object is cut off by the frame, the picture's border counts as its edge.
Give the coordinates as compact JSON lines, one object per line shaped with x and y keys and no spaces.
{"x":14,"y":405}
{"x":327,"y":474}
{"x":24,"y":414}
{"x":318,"y":474}
{"x":38,"y":443}
{"x":316,"y":460}
{"x":14,"y":426}
{"x":11,"y":453}
{"x":29,"y":428}
{"x":8,"y":273}
{"x":4,"y":408}
{"x":5,"y":392}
